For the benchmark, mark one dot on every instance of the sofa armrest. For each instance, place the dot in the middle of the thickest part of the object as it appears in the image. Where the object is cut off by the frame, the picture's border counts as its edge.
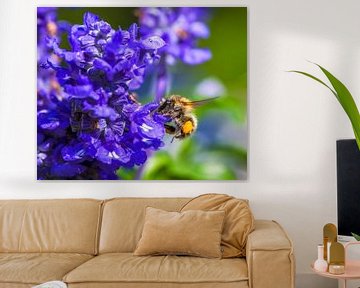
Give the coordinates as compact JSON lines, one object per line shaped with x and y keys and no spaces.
{"x":269,"y":256}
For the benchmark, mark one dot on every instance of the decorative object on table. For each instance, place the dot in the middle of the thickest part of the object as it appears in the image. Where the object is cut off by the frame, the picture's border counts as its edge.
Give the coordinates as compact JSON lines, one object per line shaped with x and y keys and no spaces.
{"x":351,"y":268}
{"x":329,"y":236}
{"x":336,"y":269}
{"x":320,"y":264}
{"x":332,"y":251}
{"x":52,"y":284}
{"x":108,"y":100}
{"x":337,"y":258}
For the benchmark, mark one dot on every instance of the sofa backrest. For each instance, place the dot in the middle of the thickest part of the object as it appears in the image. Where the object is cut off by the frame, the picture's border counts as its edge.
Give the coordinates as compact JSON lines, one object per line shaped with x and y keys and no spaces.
{"x":123,"y":220}
{"x":68,"y":226}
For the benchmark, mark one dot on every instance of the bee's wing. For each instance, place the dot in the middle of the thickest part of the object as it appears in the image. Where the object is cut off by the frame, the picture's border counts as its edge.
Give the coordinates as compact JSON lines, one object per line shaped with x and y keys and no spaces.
{"x":198,"y":103}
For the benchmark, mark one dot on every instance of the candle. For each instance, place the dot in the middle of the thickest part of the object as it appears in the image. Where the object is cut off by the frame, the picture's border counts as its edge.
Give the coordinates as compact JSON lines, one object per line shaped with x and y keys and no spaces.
{"x":336,"y":269}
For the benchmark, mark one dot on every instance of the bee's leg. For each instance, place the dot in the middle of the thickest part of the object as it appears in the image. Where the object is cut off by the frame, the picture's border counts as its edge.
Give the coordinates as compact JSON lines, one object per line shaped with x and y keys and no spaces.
{"x":179,"y":134}
{"x":176,"y":131}
{"x":160,"y":108}
{"x":169,"y":129}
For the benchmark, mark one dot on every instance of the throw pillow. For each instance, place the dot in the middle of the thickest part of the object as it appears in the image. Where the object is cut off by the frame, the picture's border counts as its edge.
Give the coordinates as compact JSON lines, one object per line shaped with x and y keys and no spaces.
{"x":239,"y":220}
{"x":193,"y":232}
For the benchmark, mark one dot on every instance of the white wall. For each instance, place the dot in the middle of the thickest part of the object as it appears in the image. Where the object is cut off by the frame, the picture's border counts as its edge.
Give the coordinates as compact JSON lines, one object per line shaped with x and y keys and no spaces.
{"x":293,"y":122}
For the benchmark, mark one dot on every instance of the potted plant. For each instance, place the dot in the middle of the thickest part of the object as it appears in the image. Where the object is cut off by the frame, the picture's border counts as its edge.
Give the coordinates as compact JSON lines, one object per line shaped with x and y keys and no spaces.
{"x":349,"y":183}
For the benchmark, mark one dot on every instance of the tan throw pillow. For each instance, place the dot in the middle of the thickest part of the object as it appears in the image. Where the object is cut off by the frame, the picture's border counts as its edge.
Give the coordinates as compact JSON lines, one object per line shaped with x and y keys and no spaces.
{"x":239,"y":220}
{"x":196,"y":233}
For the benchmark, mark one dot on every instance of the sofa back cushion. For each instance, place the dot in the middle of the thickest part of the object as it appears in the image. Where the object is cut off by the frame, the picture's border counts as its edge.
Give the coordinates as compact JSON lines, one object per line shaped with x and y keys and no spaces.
{"x":123,"y":220}
{"x":238,"y":224}
{"x":32,"y":226}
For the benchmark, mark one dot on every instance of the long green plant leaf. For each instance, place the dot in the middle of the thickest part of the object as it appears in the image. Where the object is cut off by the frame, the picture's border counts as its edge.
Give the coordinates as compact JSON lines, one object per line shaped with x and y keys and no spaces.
{"x":344,"y":97}
{"x":347,"y":102}
{"x":356,"y":236}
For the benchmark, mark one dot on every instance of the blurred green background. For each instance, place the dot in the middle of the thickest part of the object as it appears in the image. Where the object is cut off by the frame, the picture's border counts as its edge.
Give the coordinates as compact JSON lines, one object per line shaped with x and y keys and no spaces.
{"x":218,"y":149}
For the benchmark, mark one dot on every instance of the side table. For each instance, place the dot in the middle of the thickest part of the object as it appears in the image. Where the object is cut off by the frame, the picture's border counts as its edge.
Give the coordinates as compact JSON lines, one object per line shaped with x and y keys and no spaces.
{"x":352,"y":268}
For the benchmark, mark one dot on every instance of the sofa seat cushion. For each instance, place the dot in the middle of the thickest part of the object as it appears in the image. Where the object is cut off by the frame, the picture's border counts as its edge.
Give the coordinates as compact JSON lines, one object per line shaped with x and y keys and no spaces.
{"x":125,"y":267}
{"x":36,"y":268}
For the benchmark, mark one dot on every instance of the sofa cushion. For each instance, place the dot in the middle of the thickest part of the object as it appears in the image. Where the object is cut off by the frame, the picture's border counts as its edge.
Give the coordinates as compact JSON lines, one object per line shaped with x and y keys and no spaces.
{"x":193,"y":232}
{"x":126,"y":268}
{"x":36,"y":268}
{"x":63,"y":226}
{"x":123,"y":220}
{"x":238,"y":223}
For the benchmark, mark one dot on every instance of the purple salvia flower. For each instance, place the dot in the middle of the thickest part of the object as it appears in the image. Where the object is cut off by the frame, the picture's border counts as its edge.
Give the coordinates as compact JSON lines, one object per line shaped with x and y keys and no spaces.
{"x":181,"y":28}
{"x":97,"y":126}
{"x":52,"y":120}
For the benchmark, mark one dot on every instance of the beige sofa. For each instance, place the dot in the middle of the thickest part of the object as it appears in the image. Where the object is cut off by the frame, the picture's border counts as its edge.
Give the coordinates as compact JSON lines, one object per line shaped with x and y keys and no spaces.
{"x":89,"y":243}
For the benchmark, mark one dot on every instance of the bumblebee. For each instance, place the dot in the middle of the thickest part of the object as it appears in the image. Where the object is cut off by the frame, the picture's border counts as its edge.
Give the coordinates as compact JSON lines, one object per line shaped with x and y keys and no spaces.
{"x":180,"y":110}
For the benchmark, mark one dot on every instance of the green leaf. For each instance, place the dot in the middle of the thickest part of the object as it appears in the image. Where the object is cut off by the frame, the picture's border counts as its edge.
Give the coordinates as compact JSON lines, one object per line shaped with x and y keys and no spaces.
{"x":186,"y":149}
{"x":185,"y":164}
{"x":347,"y":102}
{"x":230,"y":152}
{"x":157,"y":166}
{"x":126,"y":174}
{"x":356,"y":236}
{"x":316,"y":79}
{"x":344,"y":97}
